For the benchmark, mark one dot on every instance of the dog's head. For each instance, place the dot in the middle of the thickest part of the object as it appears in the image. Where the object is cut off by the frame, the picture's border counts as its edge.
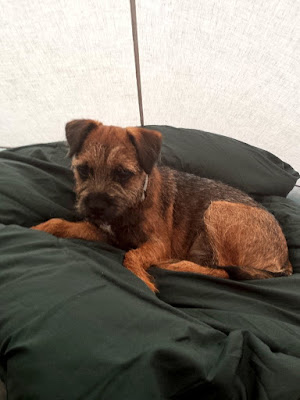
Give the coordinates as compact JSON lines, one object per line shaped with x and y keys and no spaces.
{"x":111,"y":166}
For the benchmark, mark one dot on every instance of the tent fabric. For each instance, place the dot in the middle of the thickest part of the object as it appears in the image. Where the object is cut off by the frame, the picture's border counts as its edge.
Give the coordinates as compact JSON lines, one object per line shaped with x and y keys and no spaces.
{"x":75,"y":324}
{"x":226,"y":67}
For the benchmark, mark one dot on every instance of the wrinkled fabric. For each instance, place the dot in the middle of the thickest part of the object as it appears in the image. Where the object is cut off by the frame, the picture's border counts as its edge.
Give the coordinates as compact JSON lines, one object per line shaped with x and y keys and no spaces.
{"x":75,"y":324}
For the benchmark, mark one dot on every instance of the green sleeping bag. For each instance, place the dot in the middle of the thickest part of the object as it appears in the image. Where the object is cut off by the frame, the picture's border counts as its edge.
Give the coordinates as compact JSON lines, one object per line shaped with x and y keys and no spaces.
{"x":75,"y":324}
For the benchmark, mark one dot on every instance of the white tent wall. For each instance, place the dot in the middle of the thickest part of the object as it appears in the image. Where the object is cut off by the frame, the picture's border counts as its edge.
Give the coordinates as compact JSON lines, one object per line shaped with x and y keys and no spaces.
{"x":62,"y":60}
{"x":230,"y":67}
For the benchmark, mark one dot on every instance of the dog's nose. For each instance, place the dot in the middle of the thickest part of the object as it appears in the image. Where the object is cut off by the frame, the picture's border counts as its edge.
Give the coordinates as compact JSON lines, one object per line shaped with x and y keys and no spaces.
{"x":97,"y":203}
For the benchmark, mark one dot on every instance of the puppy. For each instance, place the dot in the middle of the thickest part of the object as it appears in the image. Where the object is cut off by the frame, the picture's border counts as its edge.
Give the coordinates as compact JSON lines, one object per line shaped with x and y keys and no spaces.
{"x":164,"y":217}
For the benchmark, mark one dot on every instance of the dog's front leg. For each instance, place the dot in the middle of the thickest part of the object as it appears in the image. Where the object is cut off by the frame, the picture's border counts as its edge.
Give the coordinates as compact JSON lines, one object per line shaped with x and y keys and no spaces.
{"x":66,"y":229}
{"x":140,"y":259}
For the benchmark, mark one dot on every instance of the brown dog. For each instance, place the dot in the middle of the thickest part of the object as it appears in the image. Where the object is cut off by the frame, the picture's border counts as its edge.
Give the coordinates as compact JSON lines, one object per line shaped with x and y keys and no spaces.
{"x":163,"y":217}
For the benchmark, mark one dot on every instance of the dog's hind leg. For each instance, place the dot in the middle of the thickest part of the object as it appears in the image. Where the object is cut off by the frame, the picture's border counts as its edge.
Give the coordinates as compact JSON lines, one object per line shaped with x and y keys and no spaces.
{"x":239,"y":242}
{"x":247,"y":241}
{"x":189,"y":266}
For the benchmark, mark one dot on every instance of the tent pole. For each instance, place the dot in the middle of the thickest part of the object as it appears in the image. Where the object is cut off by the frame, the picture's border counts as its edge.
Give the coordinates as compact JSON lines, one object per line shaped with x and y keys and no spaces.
{"x":136,"y":58}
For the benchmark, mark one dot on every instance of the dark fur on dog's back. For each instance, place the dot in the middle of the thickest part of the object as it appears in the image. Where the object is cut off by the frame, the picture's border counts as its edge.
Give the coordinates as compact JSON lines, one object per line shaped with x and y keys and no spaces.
{"x":165,"y":217}
{"x":200,"y":192}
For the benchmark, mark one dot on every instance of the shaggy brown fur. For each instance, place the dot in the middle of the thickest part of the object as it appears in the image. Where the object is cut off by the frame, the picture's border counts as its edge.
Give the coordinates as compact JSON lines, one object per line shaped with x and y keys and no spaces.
{"x":175,"y":220}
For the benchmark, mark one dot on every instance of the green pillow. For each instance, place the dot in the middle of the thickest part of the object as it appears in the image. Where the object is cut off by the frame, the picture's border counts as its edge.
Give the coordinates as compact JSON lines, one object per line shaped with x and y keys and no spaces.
{"x":209,"y":155}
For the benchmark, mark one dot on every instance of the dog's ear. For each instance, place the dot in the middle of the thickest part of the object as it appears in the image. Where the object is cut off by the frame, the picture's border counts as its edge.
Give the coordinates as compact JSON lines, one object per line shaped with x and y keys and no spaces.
{"x":76,"y":133}
{"x":147,"y":144}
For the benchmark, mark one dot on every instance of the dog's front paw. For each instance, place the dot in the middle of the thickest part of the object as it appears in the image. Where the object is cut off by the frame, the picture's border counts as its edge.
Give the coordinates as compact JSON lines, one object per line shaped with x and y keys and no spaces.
{"x":132,"y":262}
{"x":56,"y":226}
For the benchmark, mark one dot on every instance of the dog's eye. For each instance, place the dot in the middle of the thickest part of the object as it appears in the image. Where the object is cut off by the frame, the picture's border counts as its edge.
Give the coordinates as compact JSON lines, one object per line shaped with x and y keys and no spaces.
{"x":122,"y":175}
{"x":84,"y":171}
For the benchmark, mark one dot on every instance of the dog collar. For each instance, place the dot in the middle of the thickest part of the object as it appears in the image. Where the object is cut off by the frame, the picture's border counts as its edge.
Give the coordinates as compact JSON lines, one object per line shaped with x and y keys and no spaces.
{"x":145,"y":187}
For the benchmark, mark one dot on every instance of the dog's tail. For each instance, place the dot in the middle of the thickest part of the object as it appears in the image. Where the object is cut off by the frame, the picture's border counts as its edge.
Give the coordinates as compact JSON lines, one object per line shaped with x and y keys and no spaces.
{"x":247,"y":273}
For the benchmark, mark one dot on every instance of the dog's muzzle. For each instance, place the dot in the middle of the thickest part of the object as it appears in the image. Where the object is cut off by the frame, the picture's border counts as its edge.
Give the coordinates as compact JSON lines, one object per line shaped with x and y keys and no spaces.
{"x":99,"y":206}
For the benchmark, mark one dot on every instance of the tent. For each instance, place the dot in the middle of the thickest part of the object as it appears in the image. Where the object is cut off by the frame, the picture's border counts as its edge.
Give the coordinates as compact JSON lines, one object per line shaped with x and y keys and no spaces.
{"x":226,"y":67}
{"x":220,"y":80}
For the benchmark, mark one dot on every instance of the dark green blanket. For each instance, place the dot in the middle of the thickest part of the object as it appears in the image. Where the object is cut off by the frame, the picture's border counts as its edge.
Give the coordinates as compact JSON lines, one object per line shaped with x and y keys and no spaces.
{"x":75,"y":324}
